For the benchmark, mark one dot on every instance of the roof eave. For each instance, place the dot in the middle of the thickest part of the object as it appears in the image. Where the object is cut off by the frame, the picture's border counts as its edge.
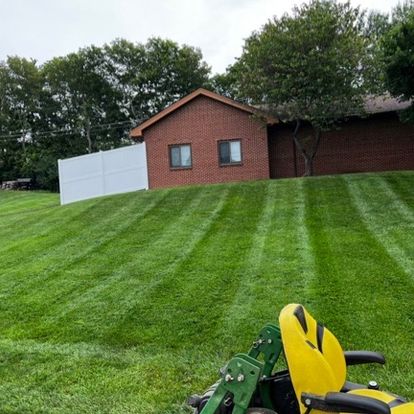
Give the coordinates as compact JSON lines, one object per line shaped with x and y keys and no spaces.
{"x":138,"y":132}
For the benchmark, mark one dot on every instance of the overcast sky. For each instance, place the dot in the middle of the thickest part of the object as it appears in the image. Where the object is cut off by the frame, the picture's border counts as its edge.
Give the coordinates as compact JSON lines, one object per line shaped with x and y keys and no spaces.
{"x":42,"y":29}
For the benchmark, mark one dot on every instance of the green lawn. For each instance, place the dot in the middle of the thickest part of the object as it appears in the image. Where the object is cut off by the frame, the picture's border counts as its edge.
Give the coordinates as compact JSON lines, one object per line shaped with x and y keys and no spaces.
{"x":128,"y":304}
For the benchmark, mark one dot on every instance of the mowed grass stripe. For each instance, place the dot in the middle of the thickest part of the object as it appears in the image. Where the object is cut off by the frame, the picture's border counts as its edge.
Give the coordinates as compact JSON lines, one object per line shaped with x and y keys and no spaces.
{"x":328,"y":220}
{"x":23,"y":202}
{"x":279,"y":266}
{"x":107,"y":223}
{"x":86,"y":378}
{"x":288,"y":266}
{"x":356,"y":276}
{"x":136,"y":277}
{"x":99,"y":255}
{"x":14,"y":225}
{"x":91,"y":250}
{"x":23,"y":301}
{"x":59,"y":222}
{"x":403,"y":187}
{"x":396,"y":199}
{"x":305,"y":250}
{"x":403,"y":181}
{"x":324,"y":284}
{"x":347,"y":254}
{"x":19,"y":198}
{"x":50,"y":224}
{"x":14,"y":220}
{"x":77,"y":306}
{"x":30,"y":235}
{"x":144,"y":318}
{"x":207,"y":275}
{"x":388,"y":225}
{"x":128,"y":250}
{"x":244,"y":299}
{"x":401,"y":202}
{"x":99,"y":226}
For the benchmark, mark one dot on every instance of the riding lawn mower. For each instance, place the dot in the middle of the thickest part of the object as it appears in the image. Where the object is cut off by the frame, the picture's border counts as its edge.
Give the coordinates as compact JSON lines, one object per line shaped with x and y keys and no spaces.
{"x":314,"y":383}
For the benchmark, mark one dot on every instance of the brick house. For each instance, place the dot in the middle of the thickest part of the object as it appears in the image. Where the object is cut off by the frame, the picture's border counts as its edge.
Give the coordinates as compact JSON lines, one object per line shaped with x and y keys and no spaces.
{"x":207,"y":138}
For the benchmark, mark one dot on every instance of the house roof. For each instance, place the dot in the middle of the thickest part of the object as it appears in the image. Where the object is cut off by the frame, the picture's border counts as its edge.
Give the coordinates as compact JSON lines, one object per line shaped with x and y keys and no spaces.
{"x":372,"y":104}
{"x":138,"y":131}
{"x":384,"y":103}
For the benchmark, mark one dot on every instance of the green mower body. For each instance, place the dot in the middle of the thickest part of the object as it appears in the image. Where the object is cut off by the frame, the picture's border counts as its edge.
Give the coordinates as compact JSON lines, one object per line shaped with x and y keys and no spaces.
{"x":315,"y":382}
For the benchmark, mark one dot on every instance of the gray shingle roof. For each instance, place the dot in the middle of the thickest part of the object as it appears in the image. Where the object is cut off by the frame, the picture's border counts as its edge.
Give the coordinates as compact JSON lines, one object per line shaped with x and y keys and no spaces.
{"x":385,"y":103}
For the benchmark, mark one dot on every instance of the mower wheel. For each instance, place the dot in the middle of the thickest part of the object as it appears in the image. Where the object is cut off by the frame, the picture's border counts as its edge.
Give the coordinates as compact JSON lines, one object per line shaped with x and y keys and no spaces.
{"x":260,"y":411}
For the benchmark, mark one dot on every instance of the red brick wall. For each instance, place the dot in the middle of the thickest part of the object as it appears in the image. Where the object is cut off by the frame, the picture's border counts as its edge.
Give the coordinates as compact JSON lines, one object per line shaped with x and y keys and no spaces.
{"x":378,"y":143}
{"x":202,"y":123}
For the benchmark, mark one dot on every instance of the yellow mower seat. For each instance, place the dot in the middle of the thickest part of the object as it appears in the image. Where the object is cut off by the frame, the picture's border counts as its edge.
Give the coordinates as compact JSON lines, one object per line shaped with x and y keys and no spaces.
{"x":317,"y":368}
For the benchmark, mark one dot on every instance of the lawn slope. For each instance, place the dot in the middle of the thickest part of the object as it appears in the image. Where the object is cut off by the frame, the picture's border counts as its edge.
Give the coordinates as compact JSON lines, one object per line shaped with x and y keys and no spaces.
{"x":127,"y":304}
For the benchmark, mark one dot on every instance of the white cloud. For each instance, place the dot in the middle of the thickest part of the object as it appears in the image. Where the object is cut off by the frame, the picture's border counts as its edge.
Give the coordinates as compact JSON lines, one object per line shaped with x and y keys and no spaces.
{"x":45,"y":28}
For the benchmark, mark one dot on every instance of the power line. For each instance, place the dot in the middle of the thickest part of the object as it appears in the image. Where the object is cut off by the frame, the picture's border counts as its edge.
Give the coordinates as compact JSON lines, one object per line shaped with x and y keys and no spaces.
{"x":63,"y":132}
{"x":18,"y":133}
{"x":68,"y":134}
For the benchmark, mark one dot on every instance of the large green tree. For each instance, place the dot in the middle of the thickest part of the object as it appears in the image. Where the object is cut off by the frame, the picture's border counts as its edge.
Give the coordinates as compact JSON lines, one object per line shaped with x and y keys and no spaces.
{"x":398,"y":50}
{"x":311,"y":67}
{"x":82,"y":99}
{"x":21,"y":85}
{"x":87,"y":101}
{"x":97,"y":94}
{"x":402,"y":11}
{"x":148,"y":77}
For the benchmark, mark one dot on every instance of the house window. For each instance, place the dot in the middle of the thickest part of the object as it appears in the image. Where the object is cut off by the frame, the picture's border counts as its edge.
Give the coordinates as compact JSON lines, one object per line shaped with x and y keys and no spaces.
{"x":180,"y":156}
{"x":230,"y":152}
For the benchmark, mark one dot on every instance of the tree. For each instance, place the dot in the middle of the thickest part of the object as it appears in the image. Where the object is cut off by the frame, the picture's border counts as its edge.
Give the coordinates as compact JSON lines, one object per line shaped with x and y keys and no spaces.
{"x":87,"y":101}
{"x":148,"y":77}
{"x":226,"y":84}
{"x":376,"y":25}
{"x":98,"y":94}
{"x":401,"y":11}
{"x":310,"y":67}
{"x":83,"y":99}
{"x":399,"y":59}
{"x":20,"y":107}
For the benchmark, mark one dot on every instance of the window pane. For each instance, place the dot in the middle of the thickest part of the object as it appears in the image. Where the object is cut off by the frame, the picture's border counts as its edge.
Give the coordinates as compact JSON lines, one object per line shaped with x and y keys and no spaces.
{"x":185,"y":156}
{"x":224,"y":153}
{"x":235,"y":151}
{"x":175,"y":156}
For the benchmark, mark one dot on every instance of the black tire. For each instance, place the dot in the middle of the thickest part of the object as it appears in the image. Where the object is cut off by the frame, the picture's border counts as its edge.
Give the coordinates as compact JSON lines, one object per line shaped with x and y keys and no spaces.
{"x":260,"y":411}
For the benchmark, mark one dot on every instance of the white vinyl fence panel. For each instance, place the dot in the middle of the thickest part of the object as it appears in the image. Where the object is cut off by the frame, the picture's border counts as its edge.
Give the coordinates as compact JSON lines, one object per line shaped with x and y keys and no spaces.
{"x":102,"y":173}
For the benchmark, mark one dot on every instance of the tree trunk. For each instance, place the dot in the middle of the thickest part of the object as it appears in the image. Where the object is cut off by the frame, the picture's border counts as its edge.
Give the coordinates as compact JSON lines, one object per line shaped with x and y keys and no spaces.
{"x":88,"y":135}
{"x":307,"y":154}
{"x":308,"y":167}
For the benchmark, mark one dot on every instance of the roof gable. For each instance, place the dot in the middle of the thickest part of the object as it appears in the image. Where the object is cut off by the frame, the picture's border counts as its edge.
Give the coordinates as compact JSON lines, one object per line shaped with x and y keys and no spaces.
{"x":138,"y":131}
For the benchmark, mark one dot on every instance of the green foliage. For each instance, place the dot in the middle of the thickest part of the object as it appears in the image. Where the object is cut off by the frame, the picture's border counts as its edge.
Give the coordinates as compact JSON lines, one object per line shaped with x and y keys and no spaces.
{"x":81,"y":97}
{"x":379,"y":28}
{"x":401,"y":11}
{"x":226,"y":84}
{"x":311,"y":66}
{"x":130,"y":303}
{"x":398,"y":55}
{"x":87,"y":101}
{"x":20,"y":107}
{"x":376,"y":25}
{"x":148,"y":77}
